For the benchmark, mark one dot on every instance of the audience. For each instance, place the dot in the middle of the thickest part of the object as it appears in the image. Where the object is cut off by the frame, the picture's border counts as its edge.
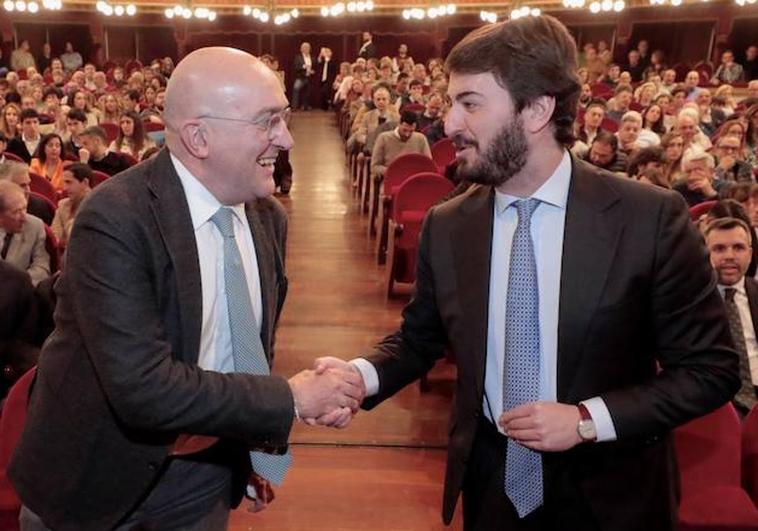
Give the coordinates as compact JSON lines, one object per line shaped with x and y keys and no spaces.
{"x":391,"y":144}
{"x":131,"y":138}
{"x":48,"y":161}
{"x":94,"y":151}
{"x":604,"y":153}
{"x":730,"y":166}
{"x":25,"y":145}
{"x":76,"y":183}
{"x":22,"y":236}
{"x":18,"y":172}
{"x":699,"y":184}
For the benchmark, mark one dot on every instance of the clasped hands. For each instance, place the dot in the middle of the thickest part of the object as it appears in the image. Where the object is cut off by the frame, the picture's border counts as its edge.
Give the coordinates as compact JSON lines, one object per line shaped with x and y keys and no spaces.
{"x":329,"y":394}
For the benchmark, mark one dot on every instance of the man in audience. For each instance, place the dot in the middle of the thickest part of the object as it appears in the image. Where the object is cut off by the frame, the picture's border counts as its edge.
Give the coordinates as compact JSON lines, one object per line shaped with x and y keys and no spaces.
{"x":611,"y":78}
{"x":22,"y":236}
{"x":76,"y":183}
{"x":368,"y":49}
{"x":595,"y":65}
{"x":18,"y":172}
{"x":94,"y":151}
{"x":70,"y":58}
{"x":687,"y":126}
{"x":381,"y":114}
{"x":624,"y":273}
{"x":728,"y":71}
{"x":327,"y":71}
{"x":391,"y":144}
{"x":398,"y":62}
{"x":699,"y":185}
{"x":668,"y":81}
{"x":146,"y":348}
{"x":302,"y":68}
{"x":729,"y":245}
{"x":752,"y":90}
{"x":25,"y":146}
{"x":432,"y":112}
{"x":21,"y":57}
{"x":622,"y":98}
{"x":635,"y":66}
{"x":629,"y":132}
{"x":750,"y":65}
{"x":643,"y":48}
{"x":731,"y":167}
{"x":691,"y":82}
{"x":415,"y":93}
{"x":604,"y":153}
{"x":593,"y":118}
{"x":76,"y":123}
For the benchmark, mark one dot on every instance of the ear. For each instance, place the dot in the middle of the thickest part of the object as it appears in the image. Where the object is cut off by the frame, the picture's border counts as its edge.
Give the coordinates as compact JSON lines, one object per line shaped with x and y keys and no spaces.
{"x":538,"y":113}
{"x":195,"y":138}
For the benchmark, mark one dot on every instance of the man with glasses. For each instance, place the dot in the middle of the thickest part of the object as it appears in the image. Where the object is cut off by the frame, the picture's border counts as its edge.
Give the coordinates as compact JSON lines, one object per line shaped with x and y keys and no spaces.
{"x":730,"y":165}
{"x":153,"y":406}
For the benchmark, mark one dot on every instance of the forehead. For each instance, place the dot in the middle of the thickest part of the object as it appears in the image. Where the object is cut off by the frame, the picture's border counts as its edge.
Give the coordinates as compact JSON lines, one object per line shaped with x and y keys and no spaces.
{"x":735,"y":234}
{"x":478,"y":85}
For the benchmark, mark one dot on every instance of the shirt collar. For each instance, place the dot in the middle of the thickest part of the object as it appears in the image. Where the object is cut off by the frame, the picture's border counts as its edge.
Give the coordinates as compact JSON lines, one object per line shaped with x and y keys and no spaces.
{"x":202,"y":203}
{"x":739,"y":287}
{"x":553,"y":192}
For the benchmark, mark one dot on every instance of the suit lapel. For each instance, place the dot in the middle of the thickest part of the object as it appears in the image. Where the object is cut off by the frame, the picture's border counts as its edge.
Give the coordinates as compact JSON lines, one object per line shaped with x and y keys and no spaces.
{"x":592,"y":232}
{"x":751,"y":288}
{"x":171,"y":211}
{"x":472,"y":248}
{"x":268,"y":270}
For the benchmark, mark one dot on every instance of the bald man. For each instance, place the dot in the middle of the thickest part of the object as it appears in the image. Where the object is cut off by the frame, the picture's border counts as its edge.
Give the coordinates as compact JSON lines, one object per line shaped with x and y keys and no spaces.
{"x":145,"y":413}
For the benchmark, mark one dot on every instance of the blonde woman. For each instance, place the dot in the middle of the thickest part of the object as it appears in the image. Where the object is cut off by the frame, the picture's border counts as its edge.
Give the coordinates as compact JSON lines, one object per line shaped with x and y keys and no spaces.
{"x":110,"y":109}
{"x":9,"y":123}
{"x":645,"y":93}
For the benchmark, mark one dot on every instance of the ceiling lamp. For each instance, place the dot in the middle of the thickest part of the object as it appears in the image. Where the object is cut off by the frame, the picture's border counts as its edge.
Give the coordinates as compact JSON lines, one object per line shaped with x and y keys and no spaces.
{"x":609,"y":5}
{"x":32,"y":6}
{"x":524,"y":11}
{"x":573,"y":4}
{"x":432,"y":12}
{"x":488,"y":16}
{"x":118,"y":10}
{"x":202,"y":13}
{"x":745,"y":2}
{"x":341,"y":8}
{"x":257,"y":13}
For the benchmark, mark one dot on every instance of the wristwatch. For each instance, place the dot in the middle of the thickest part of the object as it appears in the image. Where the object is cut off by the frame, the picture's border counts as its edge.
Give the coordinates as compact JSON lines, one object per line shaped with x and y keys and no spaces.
{"x":586,"y":426}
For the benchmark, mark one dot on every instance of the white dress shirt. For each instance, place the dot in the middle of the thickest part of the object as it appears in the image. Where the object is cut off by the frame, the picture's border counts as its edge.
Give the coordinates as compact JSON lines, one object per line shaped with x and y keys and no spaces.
{"x":748,"y":330}
{"x":547,"y":226}
{"x":215,"y":335}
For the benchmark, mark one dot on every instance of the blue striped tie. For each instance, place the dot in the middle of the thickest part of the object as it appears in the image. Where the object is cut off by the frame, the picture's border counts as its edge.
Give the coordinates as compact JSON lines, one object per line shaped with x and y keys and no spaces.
{"x":247,"y":348}
{"x":523,"y":467}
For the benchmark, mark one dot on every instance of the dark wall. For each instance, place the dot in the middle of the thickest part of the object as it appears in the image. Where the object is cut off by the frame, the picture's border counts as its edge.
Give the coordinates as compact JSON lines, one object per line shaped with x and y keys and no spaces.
{"x":686,"y":42}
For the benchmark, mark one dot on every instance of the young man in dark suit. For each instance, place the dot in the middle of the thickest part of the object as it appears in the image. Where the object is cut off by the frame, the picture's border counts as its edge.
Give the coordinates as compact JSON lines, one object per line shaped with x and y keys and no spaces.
{"x":153,"y":406}
{"x":562,"y":291}
{"x":729,"y":245}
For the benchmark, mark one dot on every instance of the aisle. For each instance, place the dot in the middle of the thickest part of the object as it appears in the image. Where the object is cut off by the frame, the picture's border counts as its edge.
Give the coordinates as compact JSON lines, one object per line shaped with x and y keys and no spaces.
{"x":385,"y":471}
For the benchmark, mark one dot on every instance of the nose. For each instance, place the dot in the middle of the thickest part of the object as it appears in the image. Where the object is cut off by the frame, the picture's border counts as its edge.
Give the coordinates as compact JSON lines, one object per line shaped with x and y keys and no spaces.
{"x":283,"y":139}
{"x":453,"y":122}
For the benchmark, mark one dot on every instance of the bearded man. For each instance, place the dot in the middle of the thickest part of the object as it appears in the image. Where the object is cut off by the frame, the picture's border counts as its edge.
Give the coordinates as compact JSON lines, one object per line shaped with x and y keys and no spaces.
{"x":581,"y":308}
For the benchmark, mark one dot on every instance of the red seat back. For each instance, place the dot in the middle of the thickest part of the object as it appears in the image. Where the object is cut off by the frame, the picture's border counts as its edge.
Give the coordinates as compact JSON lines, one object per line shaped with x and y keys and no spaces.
{"x":53,"y":250}
{"x":151,"y":127}
{"x":403,"y":167}
{"x":13,"y":156}
{"x":700,"y":209}
{"x":443,"y":153}
{"x":111,"y":131}
{"x":98,"y":178}
{"x":419,"y":193}
{"x":43,"y":187}
{"x":609,"y":125}
{"x":414,"y":107}
{"x":750,"y":454}
{"x":131,"y":161}
{"x":708,"y":450}
{"x":601,"y":90}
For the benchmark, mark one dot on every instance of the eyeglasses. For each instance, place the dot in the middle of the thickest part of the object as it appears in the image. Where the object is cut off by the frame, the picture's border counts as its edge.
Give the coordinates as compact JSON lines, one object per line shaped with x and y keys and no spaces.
{"x":264,"y":123}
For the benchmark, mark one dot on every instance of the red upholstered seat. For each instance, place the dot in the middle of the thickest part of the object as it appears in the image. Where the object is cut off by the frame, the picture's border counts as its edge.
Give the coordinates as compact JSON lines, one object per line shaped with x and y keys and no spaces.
{"x":53,"y":250}
{"x":750,"y":455}
{"x":443,"y":153}
{"x":12,"y":156}
{"x":709,"y":453}
{"x":700,"y":209}
{"x":43,"y":187}
{"x":609,"y":125}
{"x":151,"y":127}
{"x":111,"y":131}
{"x":412,"y":201}
{"x":11,"y":426}
{"x":98,"y":178}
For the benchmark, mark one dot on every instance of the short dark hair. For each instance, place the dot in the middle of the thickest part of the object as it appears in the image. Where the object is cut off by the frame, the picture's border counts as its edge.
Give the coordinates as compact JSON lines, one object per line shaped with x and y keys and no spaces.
{"x":133,"y":95}
{"x":415,"y":83}
{"x":606,"y":138}
{"x":27,"y":114}
{"x":409,"y":117}
{"x":677,"y":90}
{"x":645,"y":156}
{"x":96,"y":130}
{"x":597,"y":102}
{"x":78,"y":115}
{"x":80,"y":171}
{"x":623,"y":88}
{"x":727,"y":224}
{"x":541,"y":46}
{"x":40,"y":153}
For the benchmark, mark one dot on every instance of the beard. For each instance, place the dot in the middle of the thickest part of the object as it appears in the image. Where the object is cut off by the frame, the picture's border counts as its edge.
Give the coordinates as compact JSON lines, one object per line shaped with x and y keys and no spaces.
{"x":505,"y":157}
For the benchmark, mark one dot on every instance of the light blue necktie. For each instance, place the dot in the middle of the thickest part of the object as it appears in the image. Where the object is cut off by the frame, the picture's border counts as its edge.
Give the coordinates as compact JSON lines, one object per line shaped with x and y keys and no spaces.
{"x":523,"y":467}
{"x":247,"y":348}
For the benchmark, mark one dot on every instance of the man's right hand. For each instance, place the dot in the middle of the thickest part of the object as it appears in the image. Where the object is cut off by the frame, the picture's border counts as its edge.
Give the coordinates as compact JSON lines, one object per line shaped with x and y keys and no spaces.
{"x":84,"y":155}
{"x":330,"y":391}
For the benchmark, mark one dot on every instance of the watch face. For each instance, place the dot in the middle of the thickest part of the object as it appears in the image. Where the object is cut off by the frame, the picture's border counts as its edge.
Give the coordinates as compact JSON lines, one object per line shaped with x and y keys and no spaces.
{"x":587,"y":430}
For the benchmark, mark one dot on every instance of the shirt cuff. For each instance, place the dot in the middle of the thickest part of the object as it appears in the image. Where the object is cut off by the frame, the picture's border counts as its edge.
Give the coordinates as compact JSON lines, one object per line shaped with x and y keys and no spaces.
{"x":604,"y":427}
{"x":369,"y":374}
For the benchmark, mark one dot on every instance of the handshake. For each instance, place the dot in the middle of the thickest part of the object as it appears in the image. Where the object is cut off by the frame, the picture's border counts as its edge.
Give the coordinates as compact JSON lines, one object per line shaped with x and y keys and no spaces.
{"x":330,"y":394}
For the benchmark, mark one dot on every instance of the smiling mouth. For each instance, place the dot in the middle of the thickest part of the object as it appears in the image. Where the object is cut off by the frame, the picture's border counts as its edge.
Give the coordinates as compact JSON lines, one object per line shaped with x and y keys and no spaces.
{"x":266,"y":162}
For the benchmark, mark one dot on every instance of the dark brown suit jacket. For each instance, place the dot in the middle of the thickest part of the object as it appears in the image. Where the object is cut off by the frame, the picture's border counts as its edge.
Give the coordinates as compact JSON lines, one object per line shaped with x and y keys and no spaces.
{"x":636,"y":288}
{"x":118,"y":379}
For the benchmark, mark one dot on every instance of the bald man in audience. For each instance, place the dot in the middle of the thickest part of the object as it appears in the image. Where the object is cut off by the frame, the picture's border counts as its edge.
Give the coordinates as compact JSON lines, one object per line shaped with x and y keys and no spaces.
{"x":18,"y":172}
{"x":22,"y":236}
{"x":153,"y":406}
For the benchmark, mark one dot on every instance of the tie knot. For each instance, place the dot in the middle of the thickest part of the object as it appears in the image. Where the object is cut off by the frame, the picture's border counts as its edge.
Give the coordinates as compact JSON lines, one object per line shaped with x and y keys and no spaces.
{"x":729,"y":294}
{"x":224,"y":221}
{"x":526,"y":208}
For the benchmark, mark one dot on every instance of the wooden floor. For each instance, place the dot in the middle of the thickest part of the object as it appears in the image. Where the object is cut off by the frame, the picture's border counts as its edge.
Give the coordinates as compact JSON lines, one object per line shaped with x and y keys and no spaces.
{"x":385,"y":471}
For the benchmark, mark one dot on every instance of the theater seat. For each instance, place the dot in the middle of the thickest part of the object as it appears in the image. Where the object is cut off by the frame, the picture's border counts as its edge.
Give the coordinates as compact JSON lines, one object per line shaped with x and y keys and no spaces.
{"x":708,"y":450}
{"x":703,"y":208}
{"x":111,"y":131}
{"x":98,"y":178}
{"x":43,"y":187}
{"x":443,"y":153}
{"x":750,"y":455}
{"x":52,"y":246}
{"x":11,"y":426}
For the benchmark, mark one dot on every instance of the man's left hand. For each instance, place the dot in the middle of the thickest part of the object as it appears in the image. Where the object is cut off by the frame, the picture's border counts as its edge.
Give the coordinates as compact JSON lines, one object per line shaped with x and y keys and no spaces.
{"x":543,"y":426}
{"x":264,"y":494}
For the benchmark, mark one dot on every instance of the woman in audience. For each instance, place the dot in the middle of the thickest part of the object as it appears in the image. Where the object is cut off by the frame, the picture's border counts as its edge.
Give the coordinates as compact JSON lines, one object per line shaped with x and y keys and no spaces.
{"x":80,"y":100}
{"x":673,"y":146}
{"x":48,"y":160}
{"x":645,"y":93}
{"x":76,"y":183}
{"x":9,"y":123}
{"x":131,"y":138}
{"x":654,"y":177}
{"x":110,"y":110}
{"x":751,"y":136}
{"x":723,"y":99}
{"x":652,"y":121}
{"x":584,"y":75}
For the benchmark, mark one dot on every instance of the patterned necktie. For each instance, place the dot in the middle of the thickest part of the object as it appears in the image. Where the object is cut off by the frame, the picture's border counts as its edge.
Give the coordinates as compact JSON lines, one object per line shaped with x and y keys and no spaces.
{"x":6,"y":245}
{"x":745,"y":397}
{"x":523,"y":467}
{"x":247,"y":348}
